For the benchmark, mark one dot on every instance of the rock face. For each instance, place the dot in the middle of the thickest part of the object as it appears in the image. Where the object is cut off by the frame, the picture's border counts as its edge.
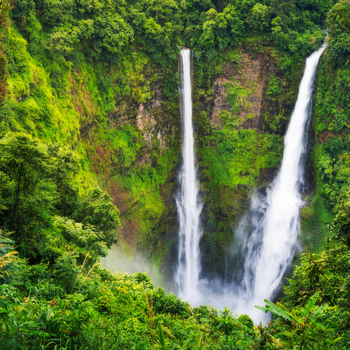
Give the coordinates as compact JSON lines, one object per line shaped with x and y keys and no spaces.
{"x":134,"y":151}
{"x":148,"y":210}
{"x":247,"y":105}
{"x":129,"y":134}
{"x":248,"y":81}
{"x":249,"y":77}
{"x":240,"y":115}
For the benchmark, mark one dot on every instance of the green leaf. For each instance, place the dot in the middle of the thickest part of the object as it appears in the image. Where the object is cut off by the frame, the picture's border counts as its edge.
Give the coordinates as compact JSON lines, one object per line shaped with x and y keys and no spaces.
{"x":319,"y":312}
{"x":310,"y":304}
{"x":48,"y":314}
{"x":161,"y":337}
{"x":262,"y":308}
{"x":3,"y":315}
{"x":274,"y":309}
{"x":317,"y":325}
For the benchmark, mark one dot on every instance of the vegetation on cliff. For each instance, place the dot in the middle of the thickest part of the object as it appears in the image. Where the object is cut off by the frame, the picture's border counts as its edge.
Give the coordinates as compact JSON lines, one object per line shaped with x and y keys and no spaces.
{"x":91,"y":103}
{"x":102,"y":77}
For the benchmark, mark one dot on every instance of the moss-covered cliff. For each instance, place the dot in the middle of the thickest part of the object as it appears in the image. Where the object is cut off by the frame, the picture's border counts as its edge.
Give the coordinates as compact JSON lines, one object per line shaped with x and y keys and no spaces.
{"x":127,"y":140}
{"x":116,"y":105}
{"x":92,"y":102}
{"x":241,"y":119}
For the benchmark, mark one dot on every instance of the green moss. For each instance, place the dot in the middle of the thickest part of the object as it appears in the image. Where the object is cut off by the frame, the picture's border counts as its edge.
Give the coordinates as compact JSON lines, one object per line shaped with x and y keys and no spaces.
{"x":239,"y":155}
{"x":81,"y":104}
{"x":96,"y":107}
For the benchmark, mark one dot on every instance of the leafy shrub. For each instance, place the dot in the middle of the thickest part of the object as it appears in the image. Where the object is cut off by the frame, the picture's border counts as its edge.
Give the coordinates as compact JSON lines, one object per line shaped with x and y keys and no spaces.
{"x":171,"y":87}
{"x":98,"y":210}
{"x":273,"y":88}
{"x":111,"y":35}
{"x":339,"y":48}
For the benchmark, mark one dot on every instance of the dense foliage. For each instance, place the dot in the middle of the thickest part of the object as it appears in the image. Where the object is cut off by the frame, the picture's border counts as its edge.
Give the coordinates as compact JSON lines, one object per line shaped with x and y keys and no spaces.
{"x":73,"y":66}
{"x":111,"y":30}
{"x":4,"y":7}
{"x":333,"y":108}
{"x":76,"y":69}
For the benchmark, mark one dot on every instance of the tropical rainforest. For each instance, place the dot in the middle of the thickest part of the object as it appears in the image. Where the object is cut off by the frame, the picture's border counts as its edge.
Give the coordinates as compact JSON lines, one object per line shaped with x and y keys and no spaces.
{"x":90,"y":148}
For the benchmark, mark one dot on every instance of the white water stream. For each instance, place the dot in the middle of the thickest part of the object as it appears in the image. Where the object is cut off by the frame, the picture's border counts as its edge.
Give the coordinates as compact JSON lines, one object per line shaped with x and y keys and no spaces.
{"x":188,"y":204}
{"x":267,"y":236}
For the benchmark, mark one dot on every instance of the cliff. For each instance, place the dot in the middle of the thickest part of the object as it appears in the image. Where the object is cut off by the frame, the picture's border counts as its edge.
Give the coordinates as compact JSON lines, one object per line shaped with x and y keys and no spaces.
{"x":121,"y":118}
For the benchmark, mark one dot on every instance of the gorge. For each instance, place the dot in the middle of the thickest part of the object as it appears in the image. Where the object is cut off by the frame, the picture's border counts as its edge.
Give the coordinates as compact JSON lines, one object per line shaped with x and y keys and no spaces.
{"x":125,"y":178}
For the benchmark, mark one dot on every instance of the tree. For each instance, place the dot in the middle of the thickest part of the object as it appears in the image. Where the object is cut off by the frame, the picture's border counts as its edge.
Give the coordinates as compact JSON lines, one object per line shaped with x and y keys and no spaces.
{"x":229,"y":28}
{"x":338,"y":21}
{"x":111,"y":34}
{"x":85,"y":239}
{"x":36,"y":184}
{"x":280,"y":38}
{"x":217,"y":32}
{"x":158,"y":24}
{"x":61,"y":42}
{"x":98,"y":210}
{"x":258,"y":16}
{"x":339,"y":16}
{"x":23,"y":160}
{"x":339,"y":49}
{"x":282,"y":9}
{"x":64,"y":166}
{"x":54,"y":13}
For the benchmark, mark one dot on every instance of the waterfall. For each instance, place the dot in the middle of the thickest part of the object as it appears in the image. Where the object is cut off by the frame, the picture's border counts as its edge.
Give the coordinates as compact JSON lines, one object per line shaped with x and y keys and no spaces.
{"x":188,"y":203}
{"x":267,"y":237}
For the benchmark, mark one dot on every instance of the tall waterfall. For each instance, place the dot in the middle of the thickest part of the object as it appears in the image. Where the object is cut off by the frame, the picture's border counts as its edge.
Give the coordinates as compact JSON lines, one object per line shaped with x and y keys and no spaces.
{"x":188,"y":204}
{"x":267,"y":236}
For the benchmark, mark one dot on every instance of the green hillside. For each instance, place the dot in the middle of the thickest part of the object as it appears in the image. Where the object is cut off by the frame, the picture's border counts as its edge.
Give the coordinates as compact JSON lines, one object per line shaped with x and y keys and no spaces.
{"x":90,"y":148}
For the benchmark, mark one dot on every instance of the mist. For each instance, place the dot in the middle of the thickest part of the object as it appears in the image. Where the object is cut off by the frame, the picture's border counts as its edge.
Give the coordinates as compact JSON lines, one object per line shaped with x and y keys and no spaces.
{"x":117,"y":261}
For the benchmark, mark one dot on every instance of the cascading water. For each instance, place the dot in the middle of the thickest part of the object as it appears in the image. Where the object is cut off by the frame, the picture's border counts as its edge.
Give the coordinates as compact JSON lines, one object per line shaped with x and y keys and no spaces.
{"x":267,"y":236}
{"x":188,"y":204}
